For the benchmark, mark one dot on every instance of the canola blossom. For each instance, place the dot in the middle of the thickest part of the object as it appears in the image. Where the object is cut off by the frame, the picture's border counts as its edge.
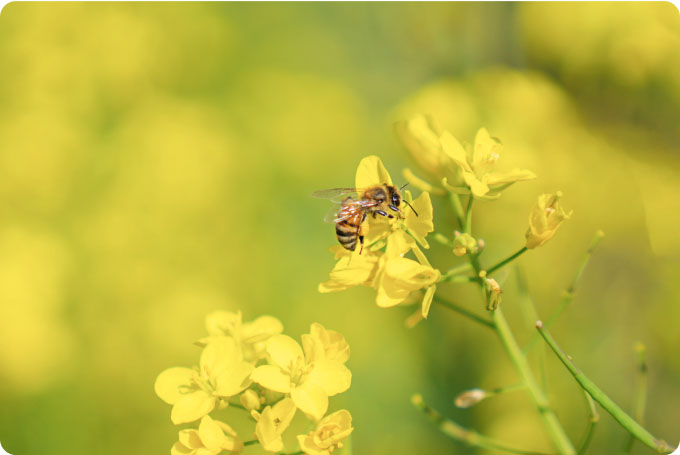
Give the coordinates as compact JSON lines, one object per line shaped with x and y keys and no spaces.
{"x":252,"y":366}
{"x":383,"y":265}
{"x":455,"y":168}
{"x":545,"y":218}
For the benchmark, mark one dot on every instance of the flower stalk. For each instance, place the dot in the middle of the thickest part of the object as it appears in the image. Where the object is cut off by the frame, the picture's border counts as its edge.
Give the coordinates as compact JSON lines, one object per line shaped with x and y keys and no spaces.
{"x":461,"y":434}
{"x":626,"y":421}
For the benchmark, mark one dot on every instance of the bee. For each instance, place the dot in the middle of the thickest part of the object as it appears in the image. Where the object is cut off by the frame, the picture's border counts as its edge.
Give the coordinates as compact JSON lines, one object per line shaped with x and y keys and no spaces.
{"x":354,"y":204}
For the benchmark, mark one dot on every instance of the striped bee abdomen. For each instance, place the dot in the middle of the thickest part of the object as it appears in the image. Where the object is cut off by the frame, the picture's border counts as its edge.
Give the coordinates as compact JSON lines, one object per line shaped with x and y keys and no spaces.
{"x":347,"y":233}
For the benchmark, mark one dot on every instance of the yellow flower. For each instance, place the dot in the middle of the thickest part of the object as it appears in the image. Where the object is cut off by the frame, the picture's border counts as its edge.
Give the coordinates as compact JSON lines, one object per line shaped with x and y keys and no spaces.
{"x":328,"y":435}
{"x":399,"y":276}
{"x":545,"y":218}
{"x":390,"y":273}
{"x":271,"y":424}
{"x":421,"y":137}
{"x":308,"y":380}
{"x":325,"y":344}
{"x":249,"y":336}
{"x":211,"y":438}
{"x":222,"y":373}
{"x":477,"y":167}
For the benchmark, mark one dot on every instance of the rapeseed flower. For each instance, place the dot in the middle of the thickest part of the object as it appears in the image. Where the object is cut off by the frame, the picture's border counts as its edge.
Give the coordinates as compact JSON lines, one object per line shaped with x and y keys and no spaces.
{"x":272,"y":422}
{"x":440,"y":154}
{"x":328,"y":435}
{"x":249,"y":336}
{"x":392,"y":275}
{"x":545,"y":218}
{"x":222,"y":373}
{"x":477,"y":166}
{"x":308,"y":377}
{"x":212,"y":437}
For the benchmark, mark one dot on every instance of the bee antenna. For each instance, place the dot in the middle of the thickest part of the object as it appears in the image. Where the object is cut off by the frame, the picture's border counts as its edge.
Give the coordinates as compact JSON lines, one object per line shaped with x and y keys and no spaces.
{"x":403,"y":186}
{"x":407,"y":203}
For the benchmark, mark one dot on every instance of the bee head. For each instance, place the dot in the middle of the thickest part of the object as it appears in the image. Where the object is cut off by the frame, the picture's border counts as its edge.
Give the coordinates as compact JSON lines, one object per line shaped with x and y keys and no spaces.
{"x":394,"y":198}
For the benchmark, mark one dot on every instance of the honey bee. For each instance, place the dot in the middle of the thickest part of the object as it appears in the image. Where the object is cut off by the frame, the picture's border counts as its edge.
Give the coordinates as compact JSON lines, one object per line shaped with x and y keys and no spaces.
{"x":354,"y":204}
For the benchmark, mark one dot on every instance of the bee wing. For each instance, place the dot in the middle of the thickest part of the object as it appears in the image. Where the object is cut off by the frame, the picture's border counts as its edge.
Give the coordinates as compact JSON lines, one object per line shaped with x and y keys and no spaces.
{"x":333,"y":215}
{"x":337,"y":194}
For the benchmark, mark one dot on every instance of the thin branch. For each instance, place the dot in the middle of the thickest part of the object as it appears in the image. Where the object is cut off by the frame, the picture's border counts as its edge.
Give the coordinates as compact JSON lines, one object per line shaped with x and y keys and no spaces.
{"x":568,"y":295}
{"x":457,"y":207}
{"x":461,"y":434}
{"x":593,"y":418}
{"x":626,"y":421}
{"x":468,"y":215}
{"x":460,"y":310}
{"x":641,"y":391}
{"x":507,"y":260}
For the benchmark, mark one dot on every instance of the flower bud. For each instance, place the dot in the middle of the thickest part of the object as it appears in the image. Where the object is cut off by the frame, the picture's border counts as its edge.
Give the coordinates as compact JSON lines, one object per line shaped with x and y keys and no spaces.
{"x":493,"y":294}
{"x":545,"y":218}
{"x":464,"y":244}
{"x":250,"y":400}
{"x":470,"y":398}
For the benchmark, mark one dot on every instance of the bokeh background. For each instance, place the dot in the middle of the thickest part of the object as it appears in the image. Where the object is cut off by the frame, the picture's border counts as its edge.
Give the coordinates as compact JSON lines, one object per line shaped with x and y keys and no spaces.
{"x":156,"y":162}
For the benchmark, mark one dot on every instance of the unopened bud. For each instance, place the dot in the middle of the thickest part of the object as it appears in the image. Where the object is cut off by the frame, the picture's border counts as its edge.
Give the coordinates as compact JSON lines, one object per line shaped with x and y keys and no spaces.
{"x":470,"y":398}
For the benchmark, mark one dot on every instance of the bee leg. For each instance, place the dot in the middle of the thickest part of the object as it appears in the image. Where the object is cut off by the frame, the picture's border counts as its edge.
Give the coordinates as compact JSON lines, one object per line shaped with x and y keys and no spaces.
{"x":361,"y":241}
{"x":383,"y":213}
{"x":360,"y":232}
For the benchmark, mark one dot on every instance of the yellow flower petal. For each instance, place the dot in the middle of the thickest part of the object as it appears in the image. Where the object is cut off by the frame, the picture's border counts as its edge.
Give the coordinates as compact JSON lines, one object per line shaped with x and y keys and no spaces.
{"x":328,"y":435}
{"x":211,"y":434}
{"x":310,"y":399}
{"x":169,"y":383}
{"x":544,"y":220}
{"x":508,"y":177}
{"x":192,"y":406}
{"x":223,"y":322}
{"x":349,"y":271}
{"x":427,"y":300}
{"x":455,"y":151}
{"x":272,"y":423}
{"x":180,"y":449}
{"x":284,"y":351}
{"x":477,"y":187}
{"x":421,"y":225}
{"x":250,"y":400}
{"x":272,"y":378}
{"x":219,"y":355}
{"x":332,"y":344}
{"x":234,"y":380}
{"x":190,"y":439}
{"x":371,"y":172}
{"x":261,"y":329}
{"x":332,"y":376}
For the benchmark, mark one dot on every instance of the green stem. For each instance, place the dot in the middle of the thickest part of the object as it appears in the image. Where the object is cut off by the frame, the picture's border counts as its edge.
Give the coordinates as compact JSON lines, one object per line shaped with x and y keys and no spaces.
{"x":250,"y":443}
{"x":593,"y":418}
{"x":568,"y":295}
{"x":627,"y":422}
{"x":456,"y":271}
{"x":552,"y":425}
{"x":459,"y":433}
{"x":460,"y":310}
{"x":641,"y":392}
{"x":457,"y":208}
{"x":507,"y":260}
{"x":468,"y":215}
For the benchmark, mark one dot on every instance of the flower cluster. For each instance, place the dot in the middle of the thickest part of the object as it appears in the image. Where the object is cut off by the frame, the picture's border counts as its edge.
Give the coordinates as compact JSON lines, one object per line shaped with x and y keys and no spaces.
{"x":454,"y":168}
{"x":254,"y":367}
{"x":382,"y":265}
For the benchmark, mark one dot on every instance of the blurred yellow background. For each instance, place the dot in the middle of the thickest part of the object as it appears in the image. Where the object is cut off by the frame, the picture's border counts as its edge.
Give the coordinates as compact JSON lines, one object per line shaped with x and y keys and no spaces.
{"x":156,"y":162}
